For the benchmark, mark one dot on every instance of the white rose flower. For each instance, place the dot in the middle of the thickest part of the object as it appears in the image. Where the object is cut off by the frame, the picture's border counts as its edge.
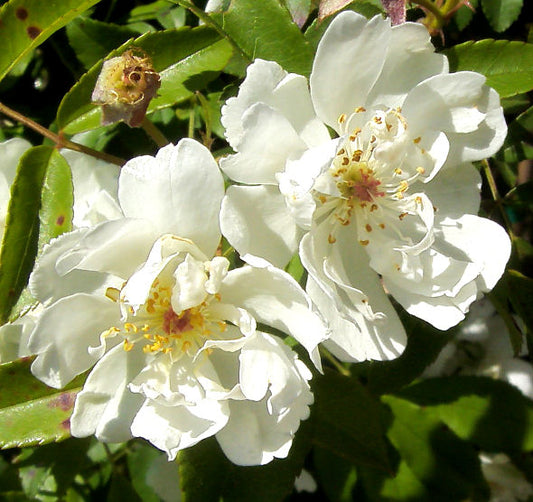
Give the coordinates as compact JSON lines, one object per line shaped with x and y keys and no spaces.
{"x":171,"y":332}
{"x":506,"y":482}
{"x":389,"y":206}
{"x":95,"y":185}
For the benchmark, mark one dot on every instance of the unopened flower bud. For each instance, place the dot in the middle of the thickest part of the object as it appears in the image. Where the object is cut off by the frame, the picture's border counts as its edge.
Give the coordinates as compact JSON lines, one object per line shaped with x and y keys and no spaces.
{"x":125,"y":87}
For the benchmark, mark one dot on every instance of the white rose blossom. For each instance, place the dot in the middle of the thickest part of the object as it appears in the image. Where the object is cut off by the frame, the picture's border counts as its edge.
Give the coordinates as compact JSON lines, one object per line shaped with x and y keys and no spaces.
{"x":390,"y":205}
{"x":170,"y":333}
{"x":95,"y":185}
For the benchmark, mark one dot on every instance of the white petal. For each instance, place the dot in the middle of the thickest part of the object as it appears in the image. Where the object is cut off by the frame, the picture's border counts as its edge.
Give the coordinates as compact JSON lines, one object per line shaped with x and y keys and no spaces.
{"x":268,"y":140}
{"x":95,"y":189}
{"x":106,"y":407}
{"x":448,"y":102}
{"x":410,"y":59}
{"x":489,"y":136}
{"x":266,"y":82}
{"x":115,"y":247}
{"x":179,"y":192}
{"x":274,"y":298}
{"x":172,"y":428}
{"x":454,"y":191}
{"x":348,"y":62}
{"x":48,"y":286}
{"x":64,"y":333}
{"x":254,"y":437}
{"x":484,"y":242}
{"x":348,"y":288}
{"x":189,"y":290}
{"x":257,"y":222}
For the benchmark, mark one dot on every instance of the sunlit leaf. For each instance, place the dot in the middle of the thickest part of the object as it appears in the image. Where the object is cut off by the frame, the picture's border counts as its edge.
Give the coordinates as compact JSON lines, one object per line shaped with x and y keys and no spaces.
{"x":265,"y":30}
{"x":489,"y":413}
{"x":25,"y":24}
{"x":32,"y":413}
{"x":507,"y":65}
{"x":445,"y":465}
{"x":19,"y":246}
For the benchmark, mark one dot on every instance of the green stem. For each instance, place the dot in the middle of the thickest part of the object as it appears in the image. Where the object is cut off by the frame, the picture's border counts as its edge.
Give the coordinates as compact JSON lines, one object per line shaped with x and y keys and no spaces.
{"x":153,"y":131}
{"x":190,"y":131}
{"x":59,"y":139}
{"x":340,"y":368}
{"x":495,"y":194}
{"x":431,"y":7}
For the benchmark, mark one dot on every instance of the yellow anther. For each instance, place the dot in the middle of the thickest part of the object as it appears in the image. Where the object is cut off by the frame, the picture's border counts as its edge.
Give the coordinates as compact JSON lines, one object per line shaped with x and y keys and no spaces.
{"x":382,"y":226}
{"x":417,"y":140}
{"x":368,"y":228}
{"x":402,"y":216}
{"x":331,"y":239}
{"x":112,"y":294}
{"x":420,"y":170}
{"x":364,"y":243}
{"x":398,"y":171}
{"x":342,"y":118}
{"x":128,"y":345}
{"x":360,"y":109}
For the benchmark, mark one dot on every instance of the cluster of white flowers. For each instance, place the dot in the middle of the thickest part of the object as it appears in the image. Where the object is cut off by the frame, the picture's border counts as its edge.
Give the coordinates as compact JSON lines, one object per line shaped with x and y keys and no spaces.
{"x":177,"y":343}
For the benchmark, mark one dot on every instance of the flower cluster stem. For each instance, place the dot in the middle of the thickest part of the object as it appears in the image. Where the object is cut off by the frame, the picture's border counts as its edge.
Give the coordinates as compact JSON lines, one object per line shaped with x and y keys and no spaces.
{"x":59,"y":139}
{"x":495,"y":194}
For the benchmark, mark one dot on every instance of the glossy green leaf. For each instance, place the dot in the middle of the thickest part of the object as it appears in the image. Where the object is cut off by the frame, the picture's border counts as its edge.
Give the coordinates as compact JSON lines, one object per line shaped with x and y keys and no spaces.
{"x":93,"y":40}
{"x":265,"y":30}
{"x":25,"y":24}
{"x":507,"y":65}
{"x":501,"y":13}
{"x":348,"y":421}
{"x":19,"y":246}
{"x":57,"y":200}
{"x":206,"y":474}
{"x":32,"y":413}
{"x":490,"y":413}
{"x":445,"y":465}
{"x":186,"y":59}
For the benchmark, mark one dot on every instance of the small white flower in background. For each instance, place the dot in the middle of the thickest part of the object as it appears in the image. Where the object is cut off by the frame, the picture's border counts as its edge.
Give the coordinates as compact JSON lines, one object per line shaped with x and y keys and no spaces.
{"x":389,"y":206}
{"x":95,"y":185}
{"x":171,"y":332}
{"x":506,"y":482}
{"x":482,"y":347}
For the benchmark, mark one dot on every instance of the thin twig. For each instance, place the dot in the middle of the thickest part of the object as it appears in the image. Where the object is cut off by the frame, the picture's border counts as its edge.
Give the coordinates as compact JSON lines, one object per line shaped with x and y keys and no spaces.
{"x":327,"y":354}
{"x":155,"y":133}
{"x":495,"y":194}
{"x":59,"y":139}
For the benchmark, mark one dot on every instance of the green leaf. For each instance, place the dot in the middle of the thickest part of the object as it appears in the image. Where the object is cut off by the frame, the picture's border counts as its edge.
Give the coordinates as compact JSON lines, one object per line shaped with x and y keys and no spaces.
{"x":206,"y":474}
{"x":25,"y":24}
{"x":465,"y":14}
{"x":507,"y":65}
{"x":19,"y":246}
{"x":93,"y":40}
{"x":492,"y":414}
{"x":337,"y":477}
{"x":153,"y":477}
{"x":57,"y":200}
{"x":32,"y":413}
{"x":501,"y":13}
{"x":265,"y":30}
{"x":521,"y":296}
{"x":186,"y":59}
{"x":348,"y":421}
{"x":518,"y":144}
{"x":445,"y":465}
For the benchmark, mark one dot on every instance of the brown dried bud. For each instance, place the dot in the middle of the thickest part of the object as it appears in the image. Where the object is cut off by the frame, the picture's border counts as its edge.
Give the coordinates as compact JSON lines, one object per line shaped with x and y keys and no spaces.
{"x":125,"y":87}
